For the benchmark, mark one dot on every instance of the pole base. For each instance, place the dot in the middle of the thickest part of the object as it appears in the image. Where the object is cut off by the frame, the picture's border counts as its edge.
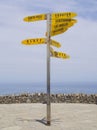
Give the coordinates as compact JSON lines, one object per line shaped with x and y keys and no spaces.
{"x":48,"y":123}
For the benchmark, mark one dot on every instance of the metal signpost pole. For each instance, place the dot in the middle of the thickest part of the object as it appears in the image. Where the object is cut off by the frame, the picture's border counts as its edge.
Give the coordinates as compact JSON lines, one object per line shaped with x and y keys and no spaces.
{"x":48,"y":70}
{"x":57,"y":28}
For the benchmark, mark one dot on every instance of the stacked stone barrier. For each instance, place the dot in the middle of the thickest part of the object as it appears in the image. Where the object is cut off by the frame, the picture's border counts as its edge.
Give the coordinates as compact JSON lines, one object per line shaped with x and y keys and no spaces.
{"x":55,"y":98}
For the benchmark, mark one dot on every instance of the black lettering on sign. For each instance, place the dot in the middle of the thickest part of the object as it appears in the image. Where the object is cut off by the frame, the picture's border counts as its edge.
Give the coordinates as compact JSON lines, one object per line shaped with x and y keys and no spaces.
{"x":33,"y":17}
{"x":69,"y":14}
{"x":30,"y":17}
{"x":62,"y":15}
{"x":59,"y":15}
{"x":39,"y":16}
{"x":27,"y":41}
{"x":40,"y":40}
{"x":30,"y":41}
{"x":55,"y":26}
{"x":65,"y":24}
{"x":56,"y":54}
{"x":64,"y":55}
{"x":58,"y":30}
{"x":59,"y":54}
{"x":37,"y":40}
{"x":56,"y":15}
{"x":33,"y":40}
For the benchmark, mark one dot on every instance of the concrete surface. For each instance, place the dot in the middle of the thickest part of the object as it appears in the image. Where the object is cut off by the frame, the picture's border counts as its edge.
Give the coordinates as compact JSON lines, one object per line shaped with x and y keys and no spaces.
{"x":32,"y":117}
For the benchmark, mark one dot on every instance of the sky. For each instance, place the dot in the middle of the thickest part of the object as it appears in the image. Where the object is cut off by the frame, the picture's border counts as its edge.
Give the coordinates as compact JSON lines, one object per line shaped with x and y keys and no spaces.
{"x":27,"y":64}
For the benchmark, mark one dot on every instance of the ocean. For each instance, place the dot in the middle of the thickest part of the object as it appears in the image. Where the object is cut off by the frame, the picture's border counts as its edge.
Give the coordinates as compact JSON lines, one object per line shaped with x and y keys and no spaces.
{"x":67,"y":88}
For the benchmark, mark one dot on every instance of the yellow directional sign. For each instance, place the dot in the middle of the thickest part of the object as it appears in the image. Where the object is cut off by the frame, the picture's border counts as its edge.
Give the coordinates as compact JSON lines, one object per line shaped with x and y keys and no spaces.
{"x":37,"y":41}
{"x":59,"y":54}
{"x":35,"y":18}
{"x":63,"y":20}
{"x":63,"y":15}
{"x":58,"y":31}
{"x":63,"y":25}
{"x":34,"y":41}
{"x":55,"y":43}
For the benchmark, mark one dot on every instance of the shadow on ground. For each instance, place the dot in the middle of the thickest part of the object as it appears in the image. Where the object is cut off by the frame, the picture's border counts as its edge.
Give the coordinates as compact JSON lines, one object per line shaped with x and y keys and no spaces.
{"x":42,"y":121}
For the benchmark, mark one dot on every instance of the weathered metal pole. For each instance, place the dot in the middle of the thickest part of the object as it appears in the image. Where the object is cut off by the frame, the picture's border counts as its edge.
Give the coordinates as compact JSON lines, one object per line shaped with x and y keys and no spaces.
{"x":48,"y":70}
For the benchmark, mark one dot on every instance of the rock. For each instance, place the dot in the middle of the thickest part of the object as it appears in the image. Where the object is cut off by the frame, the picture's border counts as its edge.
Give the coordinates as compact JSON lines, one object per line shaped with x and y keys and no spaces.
{"x":55,"y":98}
{"x":28,"y":101}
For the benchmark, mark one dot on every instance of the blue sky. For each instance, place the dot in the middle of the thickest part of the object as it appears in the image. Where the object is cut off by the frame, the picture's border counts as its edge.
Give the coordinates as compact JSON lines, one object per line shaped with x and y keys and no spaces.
{"x":27,"y":64}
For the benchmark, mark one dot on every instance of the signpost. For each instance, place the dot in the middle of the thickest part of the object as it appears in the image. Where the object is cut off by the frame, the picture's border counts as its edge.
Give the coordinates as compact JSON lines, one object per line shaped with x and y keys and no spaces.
{"x":57,"y":23}
{"x":55,"y":43}
{"x":35,"y":18}
{"x":58,"y":31}
{"x":63,"y":15}
{"x":61,"y":25}
{"x":59,"y":55}
{"x":63,"y":20}
{"x":38,"y":41}
{"x":34,"y":41}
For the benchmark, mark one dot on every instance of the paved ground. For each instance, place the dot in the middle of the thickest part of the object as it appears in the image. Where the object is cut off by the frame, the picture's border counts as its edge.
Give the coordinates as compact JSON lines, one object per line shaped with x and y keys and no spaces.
{"x":64,"y":117}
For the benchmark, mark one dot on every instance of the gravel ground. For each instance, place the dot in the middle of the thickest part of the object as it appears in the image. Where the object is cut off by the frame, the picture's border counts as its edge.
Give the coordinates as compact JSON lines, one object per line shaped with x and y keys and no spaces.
{"x":33,"y":117}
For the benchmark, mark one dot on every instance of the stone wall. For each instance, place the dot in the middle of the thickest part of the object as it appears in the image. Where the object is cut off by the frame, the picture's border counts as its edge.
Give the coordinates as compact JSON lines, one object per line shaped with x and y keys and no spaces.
{"x":55,"y":98}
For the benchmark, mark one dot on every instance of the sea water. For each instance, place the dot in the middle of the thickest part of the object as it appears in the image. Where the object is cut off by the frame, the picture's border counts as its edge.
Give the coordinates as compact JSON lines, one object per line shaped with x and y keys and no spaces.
{"x":67,"y":88}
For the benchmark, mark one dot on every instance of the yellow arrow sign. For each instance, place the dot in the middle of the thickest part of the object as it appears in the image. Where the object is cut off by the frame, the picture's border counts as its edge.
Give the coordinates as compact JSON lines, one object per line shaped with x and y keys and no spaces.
{"x":63,"y":25}
{"x":63,"y":15}
{"x":63,"y":20}
{"x":58,"y":31}
{"x":35,"y":18}
{"x":34,"y":41}
{"x":59,"y":54}
{"x":37,"y":41}
{"x":55,"y":43}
